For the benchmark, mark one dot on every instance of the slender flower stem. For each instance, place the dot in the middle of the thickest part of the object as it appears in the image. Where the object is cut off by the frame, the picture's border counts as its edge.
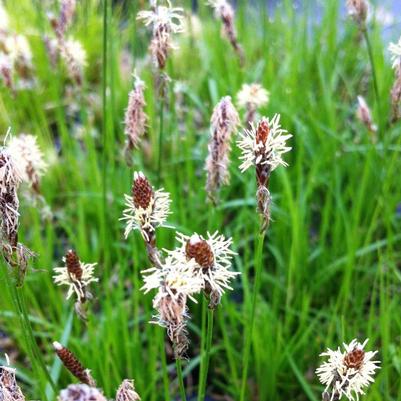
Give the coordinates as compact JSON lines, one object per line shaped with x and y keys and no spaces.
{"x":206,"y":356}
{"x":180,"y":379}
{"x":251,"y":322}
{"x":164,"y":368}
{"x":374,"y":74}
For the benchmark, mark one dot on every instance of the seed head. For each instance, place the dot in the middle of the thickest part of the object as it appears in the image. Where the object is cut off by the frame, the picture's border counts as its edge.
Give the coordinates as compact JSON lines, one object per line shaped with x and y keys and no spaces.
{"x":364,"y":115}
{"x":9,"y":389}
{"x":358,"y":10}
{"x":135,"y":117}
{"x":347,"y":372}
{"x":142,"y":192}
{"x":71,"y":363}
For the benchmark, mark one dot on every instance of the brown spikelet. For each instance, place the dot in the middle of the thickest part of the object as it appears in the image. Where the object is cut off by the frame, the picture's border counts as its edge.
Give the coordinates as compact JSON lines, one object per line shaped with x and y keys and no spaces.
{"x":142,"y":191}
{"x":201,"y":252}
{"x":354,"y":359}
{"x":71,"y":363}
{"x":73,"y":264}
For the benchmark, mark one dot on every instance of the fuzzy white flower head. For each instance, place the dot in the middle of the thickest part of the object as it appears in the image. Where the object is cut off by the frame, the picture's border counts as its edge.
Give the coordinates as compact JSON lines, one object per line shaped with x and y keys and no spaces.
{"x":146,"y":209}
{"x":258,"y":149}
{"x":209,"y":259}
{"x":348,"y":372}
{"x":176,"y":277}
{"x":18,"y":48}
{"x":395,"y":50}
{"x":73,"y":49}
{"x":10,"y":172}
{"x":75,"y":274}
{"x":26,"y":154}
{"x":167,"y":17}
{"x":81,"y":392}
{"x":252,"y":94}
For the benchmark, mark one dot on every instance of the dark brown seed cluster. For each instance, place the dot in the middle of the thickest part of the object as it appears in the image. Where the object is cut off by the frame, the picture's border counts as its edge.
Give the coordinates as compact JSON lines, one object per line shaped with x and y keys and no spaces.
{"x":262,"y":132}
{"x":71,"y":363}
{"x":73,"y":264}
{"x":201,"y":252}
{"x":354,"y":359}
{"x":142,"y":192}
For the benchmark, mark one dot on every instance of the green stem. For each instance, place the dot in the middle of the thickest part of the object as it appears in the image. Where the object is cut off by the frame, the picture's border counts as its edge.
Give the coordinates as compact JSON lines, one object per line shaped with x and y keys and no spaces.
{"x":180,"y":379}
{"x":164,"y":368}
{"x":251,"y":322}
{"x":206,"y":356}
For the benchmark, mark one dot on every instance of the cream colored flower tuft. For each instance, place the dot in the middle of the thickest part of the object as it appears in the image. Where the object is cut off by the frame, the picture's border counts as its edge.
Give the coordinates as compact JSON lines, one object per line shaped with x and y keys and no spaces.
{"x":81,"y":392}
{"x":252,"y":95}
{"x":164,"y":21}
{"x":264,"y":151}
{"x":347,"y":372}
{"x":76,"y":275}
{"x":146,"y":209}
{"x":26,"y":154}
{"x":395,"y":50}
{"x":75,"y":59}
{"x":9,"y":388}
{"x":176,"y":276}
{"x":126,"y":391}
{"x":209,"y":259}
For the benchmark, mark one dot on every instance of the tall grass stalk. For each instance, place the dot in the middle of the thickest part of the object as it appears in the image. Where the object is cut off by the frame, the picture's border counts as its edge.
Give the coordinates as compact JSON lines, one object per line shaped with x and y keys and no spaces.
{"x":206,"y":355}
{"x":251,"y":322}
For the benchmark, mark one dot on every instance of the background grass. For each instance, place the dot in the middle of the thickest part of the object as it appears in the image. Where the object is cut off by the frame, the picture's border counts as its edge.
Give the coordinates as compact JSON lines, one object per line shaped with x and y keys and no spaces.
{"x":332,"y":253}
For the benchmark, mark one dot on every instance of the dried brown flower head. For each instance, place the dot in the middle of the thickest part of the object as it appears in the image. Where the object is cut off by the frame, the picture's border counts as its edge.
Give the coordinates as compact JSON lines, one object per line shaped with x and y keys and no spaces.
{"x":73,"y":264}
{"x":81,"y":392}
{"x":71,"y":363}
{"x":142,"y":192}
{"x":135,"y":117}
{"x":126,"y":391}
{"x":9,"y":389}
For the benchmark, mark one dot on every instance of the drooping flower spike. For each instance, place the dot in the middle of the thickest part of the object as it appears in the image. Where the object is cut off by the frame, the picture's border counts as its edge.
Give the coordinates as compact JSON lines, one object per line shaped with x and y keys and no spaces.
{"x":263,"y":147}
{"x":365,"y":115}
{"x":210,"y":262}
{"x":15,"y":253}
{"x":250,"y":98}
{"x":135,"y":117}
{"x":224,"y":122}
{"x":224,"y":12}
{"x":175,"y":282}
{"x":77,"y":276}
{"x":395,"y":50}
{"x":165,"y":20}
{"x":347,"y":373}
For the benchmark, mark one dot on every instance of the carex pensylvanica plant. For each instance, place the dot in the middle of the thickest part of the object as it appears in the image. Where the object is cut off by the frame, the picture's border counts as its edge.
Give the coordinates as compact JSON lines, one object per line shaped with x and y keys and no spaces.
{"x":347,"y":373}
{"x":224,"y":122}
{"x":77,"y":276}
{"x":262,"y":146}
